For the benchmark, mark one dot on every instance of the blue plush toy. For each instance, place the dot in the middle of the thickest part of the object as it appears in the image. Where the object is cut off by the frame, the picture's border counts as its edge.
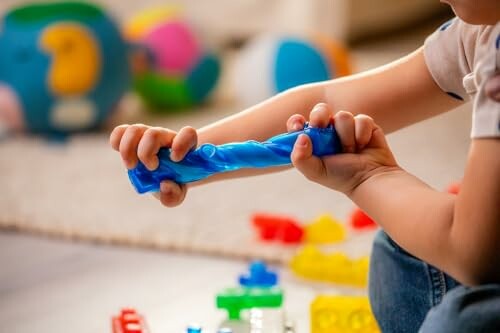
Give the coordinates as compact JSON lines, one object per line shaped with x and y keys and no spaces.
{"x":63,"y":67}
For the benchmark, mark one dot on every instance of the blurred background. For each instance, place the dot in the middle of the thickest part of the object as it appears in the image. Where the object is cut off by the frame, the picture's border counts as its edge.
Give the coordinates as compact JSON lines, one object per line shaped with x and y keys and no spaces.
{"x":77,"y":243}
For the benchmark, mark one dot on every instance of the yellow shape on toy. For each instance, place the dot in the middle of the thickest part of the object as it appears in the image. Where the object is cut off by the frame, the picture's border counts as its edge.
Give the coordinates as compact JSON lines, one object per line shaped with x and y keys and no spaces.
{"x":311,"y":263}
{"x":342,"y":314}
{"x":139,"y":25}
{"x":325,"y":229}
{"x":76,"y":59}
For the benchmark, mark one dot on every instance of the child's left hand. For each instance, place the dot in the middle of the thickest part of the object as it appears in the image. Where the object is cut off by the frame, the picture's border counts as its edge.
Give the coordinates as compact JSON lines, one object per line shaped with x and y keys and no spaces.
{"x":366,"y":152}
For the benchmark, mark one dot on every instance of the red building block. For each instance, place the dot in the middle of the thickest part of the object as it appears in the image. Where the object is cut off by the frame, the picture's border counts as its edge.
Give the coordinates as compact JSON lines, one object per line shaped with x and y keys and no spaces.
{"x":274,"y":227}
{"x":129,"y":321}
{"x":453,"y":188}
{"x":359,"y":220}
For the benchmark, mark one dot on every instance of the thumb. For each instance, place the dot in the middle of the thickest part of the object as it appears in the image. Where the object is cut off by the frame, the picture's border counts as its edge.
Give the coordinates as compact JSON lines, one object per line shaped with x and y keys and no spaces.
{"x":302,"y":158}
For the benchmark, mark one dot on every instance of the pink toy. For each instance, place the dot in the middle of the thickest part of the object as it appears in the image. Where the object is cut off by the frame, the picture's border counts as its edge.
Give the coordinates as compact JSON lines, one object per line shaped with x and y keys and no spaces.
{"x":174,"y":46}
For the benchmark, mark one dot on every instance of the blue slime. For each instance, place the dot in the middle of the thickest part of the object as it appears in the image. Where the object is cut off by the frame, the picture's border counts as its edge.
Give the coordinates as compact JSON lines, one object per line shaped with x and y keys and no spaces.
{"x":209,"y":159}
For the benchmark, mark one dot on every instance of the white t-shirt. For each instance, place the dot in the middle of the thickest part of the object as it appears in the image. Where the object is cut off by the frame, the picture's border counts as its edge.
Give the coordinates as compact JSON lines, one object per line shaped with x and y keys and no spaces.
{"x":461,"y":58}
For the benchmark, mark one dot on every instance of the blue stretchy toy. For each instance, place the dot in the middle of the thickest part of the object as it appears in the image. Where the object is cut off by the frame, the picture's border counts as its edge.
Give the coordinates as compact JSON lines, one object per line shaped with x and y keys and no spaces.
{"x":209,"y":159}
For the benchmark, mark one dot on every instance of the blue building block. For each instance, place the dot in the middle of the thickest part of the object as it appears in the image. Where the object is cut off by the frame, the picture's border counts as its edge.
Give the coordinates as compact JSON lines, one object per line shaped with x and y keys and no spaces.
{"x":259,"y":276}
{"x":194,"y":329}
{"x":199,"y":329}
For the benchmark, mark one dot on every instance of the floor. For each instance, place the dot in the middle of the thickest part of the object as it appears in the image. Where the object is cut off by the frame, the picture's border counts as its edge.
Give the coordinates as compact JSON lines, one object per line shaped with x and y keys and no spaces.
{"x":55,"y":286}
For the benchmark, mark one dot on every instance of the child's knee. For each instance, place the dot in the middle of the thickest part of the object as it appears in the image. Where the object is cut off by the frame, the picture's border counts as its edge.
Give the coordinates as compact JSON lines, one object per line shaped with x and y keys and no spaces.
{"x":398,"y":286}
{"x":465,"y":309}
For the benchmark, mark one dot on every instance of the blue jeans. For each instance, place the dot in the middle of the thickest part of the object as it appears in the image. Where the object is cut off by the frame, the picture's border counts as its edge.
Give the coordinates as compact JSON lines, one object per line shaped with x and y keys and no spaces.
{"x":408,"y":295}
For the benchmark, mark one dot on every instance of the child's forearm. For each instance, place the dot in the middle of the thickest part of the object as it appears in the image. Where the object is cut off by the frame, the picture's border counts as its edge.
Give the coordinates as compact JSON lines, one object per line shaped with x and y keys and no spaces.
{"x":458,"y":234}
{"x":265,"y":119}
{"x":259,"y":123}
{"x":395,"y":95}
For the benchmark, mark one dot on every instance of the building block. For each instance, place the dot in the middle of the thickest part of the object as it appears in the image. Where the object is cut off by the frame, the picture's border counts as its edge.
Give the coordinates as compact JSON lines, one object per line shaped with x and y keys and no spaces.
{"x":259,"y":276}
{"x":275,"y":227}
{"x":359,"y":220}
{"x":129,"y":321}
{"x":224,"y":330}
{"x":453,"y":188}
{"x":270,"y":321}
{"x":236,"y":299}
{"x":324,"y":230}
{"x":199,"y":329}
{"x":311,"y":263}
{"x":342,"y":314}
{"x":194,"y":329}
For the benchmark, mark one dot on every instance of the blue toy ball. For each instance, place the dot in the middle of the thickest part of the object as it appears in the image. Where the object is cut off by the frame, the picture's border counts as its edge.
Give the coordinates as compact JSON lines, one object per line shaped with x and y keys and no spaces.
{"x":63,"y":67}
{"x":270,"y":64}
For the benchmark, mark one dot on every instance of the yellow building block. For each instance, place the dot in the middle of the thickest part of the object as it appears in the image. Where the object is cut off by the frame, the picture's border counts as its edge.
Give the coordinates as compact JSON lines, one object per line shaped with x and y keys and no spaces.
{"x":342,"y":314}
{"x":325,"y":229}
{"x":311,"y":263}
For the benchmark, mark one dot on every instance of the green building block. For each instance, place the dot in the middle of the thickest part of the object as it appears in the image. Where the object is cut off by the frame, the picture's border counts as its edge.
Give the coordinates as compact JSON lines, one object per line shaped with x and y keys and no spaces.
{"x":236,"y":299}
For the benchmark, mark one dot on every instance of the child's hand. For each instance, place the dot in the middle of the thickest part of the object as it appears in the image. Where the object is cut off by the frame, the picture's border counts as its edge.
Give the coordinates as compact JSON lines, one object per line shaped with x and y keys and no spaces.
{"x":366,"y":152}
{"x":141,"y":143}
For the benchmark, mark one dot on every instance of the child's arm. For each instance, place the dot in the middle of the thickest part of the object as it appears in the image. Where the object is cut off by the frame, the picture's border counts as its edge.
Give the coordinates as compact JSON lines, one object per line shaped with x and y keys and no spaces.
{"x":459,"y":234}
{"x":395,"y":95}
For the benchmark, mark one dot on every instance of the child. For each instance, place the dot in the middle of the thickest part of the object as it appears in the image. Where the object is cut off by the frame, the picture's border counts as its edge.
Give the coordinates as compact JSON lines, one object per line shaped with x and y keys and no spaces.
{"x":430,"y":232}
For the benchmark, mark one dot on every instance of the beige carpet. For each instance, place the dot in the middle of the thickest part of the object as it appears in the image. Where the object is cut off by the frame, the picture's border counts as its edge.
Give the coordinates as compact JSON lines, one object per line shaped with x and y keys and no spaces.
{"x":80,"y":190}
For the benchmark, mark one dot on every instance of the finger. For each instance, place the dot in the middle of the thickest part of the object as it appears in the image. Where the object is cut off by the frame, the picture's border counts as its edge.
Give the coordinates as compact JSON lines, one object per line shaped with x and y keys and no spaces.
{"x":116,"y":136}
{"x":152,"y":140}
{"x":363,"y":128}
{"x":295,"y":123}
{"x":302,"y":158}
{"x":129,"y":142}
{"x":184,"y":141}
{"x":172,"y":194}
{"x":378,"y":139}
{"x":344,"y":124}
{"x":320,"y":115}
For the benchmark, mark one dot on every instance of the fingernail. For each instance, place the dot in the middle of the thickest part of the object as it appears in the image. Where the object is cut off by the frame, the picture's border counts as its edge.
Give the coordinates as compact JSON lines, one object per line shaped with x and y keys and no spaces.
{"x":319,"y":107}
{"x":128,"y":163}
{"x":297,"y":127}
{"x":301,"y":141}
{"x":165,"y":188}
{"x":173,"y":156}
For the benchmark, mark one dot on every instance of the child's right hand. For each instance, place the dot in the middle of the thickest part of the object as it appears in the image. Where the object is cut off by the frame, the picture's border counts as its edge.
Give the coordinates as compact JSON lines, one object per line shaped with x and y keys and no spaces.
{"x":365,"y":150}
{"x":140,"y":142}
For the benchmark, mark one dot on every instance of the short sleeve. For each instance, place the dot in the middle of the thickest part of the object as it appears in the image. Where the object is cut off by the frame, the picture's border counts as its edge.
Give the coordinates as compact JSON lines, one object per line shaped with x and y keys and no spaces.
{"x":486,"y":111}
{"x":446,"y":58}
